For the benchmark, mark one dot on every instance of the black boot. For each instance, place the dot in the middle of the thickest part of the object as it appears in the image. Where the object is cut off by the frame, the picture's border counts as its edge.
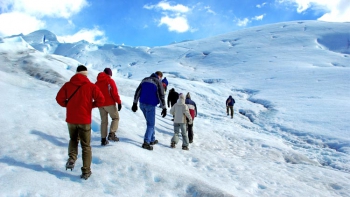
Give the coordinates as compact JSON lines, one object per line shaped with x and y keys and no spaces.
{"x":147,"y":146}
{"x":154,"y":142}
{"x":104,"y":142}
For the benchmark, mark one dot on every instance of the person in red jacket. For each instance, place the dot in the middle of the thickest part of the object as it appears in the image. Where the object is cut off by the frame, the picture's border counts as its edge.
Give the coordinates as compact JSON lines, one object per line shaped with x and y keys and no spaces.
{"x":110,"y":92}
{"x":79,"y":96}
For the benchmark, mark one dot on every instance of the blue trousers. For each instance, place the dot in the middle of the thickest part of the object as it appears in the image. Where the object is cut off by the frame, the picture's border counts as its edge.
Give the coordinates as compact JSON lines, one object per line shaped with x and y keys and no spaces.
{"x":149,"y":111}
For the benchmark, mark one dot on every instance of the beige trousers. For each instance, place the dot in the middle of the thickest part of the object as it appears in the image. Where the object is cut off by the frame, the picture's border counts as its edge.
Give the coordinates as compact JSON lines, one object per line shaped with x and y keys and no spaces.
{"x":113,"y":113}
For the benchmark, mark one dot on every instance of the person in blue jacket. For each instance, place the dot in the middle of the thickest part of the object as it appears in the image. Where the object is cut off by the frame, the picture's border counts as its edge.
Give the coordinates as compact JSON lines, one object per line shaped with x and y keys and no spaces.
{"x":150,"y":92}
{"x":229,"y":105}
{"x":165,"y":84}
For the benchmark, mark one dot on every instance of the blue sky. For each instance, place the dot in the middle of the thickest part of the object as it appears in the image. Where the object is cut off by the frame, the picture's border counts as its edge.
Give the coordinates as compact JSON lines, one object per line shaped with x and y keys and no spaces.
{"x":157,"y":23}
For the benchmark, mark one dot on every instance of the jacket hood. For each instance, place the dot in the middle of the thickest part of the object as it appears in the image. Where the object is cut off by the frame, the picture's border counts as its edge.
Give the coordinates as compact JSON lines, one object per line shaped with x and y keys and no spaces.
{"x":181,"y":99}
{"x":154,"y":75}
{"x":102,"y":76}
{"x":79,"y":79}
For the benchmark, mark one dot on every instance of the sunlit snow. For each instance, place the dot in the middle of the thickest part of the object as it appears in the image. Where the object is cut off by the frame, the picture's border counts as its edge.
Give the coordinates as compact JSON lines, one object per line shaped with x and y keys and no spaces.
{"x":289,"y":136}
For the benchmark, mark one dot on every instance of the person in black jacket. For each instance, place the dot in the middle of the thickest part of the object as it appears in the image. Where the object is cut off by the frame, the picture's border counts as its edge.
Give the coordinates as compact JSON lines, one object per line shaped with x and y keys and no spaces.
{"x":229,"y":105}
{"x":172,"y":97}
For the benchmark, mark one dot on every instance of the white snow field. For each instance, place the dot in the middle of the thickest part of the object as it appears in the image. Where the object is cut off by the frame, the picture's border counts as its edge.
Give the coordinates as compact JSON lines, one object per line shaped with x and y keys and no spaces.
{"x":289,"y":136}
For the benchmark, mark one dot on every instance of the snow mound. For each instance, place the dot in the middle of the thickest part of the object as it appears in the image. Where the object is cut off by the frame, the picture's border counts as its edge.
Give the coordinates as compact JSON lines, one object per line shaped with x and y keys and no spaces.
{"x":336,"y":42}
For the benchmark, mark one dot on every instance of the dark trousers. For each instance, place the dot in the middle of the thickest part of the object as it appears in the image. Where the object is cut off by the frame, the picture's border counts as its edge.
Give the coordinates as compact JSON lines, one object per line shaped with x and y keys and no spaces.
{"x":82,"y":133}
{"x":190,"y":132}
{"x":231,"y":110}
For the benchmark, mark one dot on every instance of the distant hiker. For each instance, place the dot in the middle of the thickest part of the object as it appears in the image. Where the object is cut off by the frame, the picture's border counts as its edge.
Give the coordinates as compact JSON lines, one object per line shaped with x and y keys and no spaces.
{"x":181,"y":114}
{"x":110,"y":92}
{"x":150,"y":92}
{"x":229,"y":105}
{"x":193,"y":111}
{"x":165,"y":84}
{"x":172,"y":97}
{"x":79,"y":96}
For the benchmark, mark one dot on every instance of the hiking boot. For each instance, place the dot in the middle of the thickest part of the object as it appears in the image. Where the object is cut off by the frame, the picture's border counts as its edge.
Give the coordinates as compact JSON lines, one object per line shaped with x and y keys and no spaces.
{"x":185,"y":148}
{"x":191,"y":141}
{"x":154,"y":142}
{"x":147,"y":146}
{"x":104,"y":142}
{"x":172,"y":145}
{"x":85,"y":175}
{"x":113,"y":137}
{"x":70,"y":164}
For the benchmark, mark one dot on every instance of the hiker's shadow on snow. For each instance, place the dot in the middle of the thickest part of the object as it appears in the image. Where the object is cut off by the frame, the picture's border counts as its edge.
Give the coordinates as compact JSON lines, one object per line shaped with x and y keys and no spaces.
{"x":130,"y":141}
{"x":58,"y":173}
{"x":165,"y":120}
{"x":164,"y":132}
{"x":121,"y":140}
{"x":54,"y":140}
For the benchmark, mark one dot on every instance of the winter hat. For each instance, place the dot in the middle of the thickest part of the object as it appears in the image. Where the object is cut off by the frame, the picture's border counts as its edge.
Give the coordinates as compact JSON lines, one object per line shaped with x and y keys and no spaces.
{"x":108,"y":71}
{"x":181,"y":96}
{"x":82,"y":70}
{"x":165,"y":81}
{"x":188,"y":95}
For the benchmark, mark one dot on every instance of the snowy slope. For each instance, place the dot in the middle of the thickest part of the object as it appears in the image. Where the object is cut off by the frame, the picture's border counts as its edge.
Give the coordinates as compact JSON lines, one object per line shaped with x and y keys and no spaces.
{"x":289,"y":136}
{"x":274,"y":57}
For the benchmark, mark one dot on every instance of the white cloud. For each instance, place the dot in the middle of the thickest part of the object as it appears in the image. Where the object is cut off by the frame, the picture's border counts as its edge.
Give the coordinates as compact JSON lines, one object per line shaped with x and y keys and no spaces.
{"x":25,"y":16}
{"x":261,"y":5}
{"x":335,"y":10}
{"x":16,"y":23}
{"x":178,"y":24}
{"x":165,"y":6}
{"x":243,"y":22}
{"x":91,"y":35}
{"x":339,"y":13}
{"x":174,"y":16}
{"x":259,"y":18}
{"x":39,"y":8}
{"x":209,"y":10}
{"x":176,"y":8}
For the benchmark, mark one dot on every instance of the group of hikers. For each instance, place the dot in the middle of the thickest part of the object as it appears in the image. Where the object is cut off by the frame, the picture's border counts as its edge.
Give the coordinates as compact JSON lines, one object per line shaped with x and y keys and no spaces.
{"x":79,"y":96}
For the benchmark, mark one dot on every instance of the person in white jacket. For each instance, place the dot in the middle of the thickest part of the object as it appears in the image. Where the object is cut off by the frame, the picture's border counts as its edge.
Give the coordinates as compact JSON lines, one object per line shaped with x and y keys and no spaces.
{"x":180,"y":112}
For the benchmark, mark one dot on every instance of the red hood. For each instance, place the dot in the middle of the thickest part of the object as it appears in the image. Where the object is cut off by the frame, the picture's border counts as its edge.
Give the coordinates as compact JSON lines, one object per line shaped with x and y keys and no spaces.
{"x":79,"y":79}
{"x":103,"y":76}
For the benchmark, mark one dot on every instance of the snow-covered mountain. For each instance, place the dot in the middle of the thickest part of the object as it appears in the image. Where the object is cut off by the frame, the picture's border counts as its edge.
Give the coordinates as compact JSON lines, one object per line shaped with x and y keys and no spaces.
{"x":290,"y":135}
{"x":256,"y":54}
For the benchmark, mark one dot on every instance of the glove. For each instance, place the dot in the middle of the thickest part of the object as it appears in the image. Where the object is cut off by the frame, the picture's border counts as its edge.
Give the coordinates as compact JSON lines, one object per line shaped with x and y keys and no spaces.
{"x":119,"y":107}
{"x":163,"y":112}
{"x":134,"y":107}
{"x":189,"y":121}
